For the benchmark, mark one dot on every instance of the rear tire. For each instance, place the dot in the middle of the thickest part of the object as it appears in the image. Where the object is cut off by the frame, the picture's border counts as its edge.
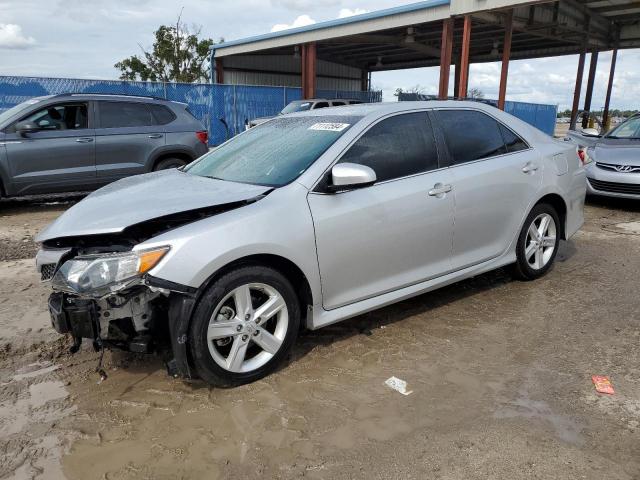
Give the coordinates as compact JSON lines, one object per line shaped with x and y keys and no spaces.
{"x":167,"y":163}
{"x":244,"y":326}
{"x":538,"y":243}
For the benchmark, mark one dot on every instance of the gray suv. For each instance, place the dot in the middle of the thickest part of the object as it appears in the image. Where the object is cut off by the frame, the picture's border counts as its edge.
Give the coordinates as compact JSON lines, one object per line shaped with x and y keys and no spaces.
{"x":74,"y":142}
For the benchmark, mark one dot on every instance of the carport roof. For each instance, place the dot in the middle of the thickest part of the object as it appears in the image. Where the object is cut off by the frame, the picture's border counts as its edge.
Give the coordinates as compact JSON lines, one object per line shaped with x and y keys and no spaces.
{"x":410,"y":35}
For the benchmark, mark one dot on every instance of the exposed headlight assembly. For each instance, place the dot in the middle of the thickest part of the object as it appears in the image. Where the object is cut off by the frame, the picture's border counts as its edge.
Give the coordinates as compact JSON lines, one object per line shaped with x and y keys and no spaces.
{"x":101,"y":274}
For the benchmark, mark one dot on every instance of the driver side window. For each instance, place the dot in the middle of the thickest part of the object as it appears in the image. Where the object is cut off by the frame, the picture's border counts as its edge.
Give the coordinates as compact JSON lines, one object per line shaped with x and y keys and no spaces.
{"x":60,"y":117}
{"x":396,"y":147}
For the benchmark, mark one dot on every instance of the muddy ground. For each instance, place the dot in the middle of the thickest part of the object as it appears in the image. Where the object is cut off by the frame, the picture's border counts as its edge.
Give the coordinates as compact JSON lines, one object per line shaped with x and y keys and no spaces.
{"x":500,"y":374}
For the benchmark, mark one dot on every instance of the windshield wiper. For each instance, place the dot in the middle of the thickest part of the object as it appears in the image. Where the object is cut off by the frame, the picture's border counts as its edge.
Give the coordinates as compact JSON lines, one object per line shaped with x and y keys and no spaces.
{"x":214,"y":178}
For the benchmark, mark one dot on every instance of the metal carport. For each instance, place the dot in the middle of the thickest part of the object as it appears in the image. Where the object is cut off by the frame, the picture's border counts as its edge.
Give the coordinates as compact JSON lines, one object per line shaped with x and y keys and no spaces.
{"x":436,"y":32}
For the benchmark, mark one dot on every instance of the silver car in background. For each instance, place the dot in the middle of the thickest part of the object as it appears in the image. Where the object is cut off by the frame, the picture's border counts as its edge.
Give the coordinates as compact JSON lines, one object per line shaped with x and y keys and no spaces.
{"x":305,"y":221}
{"x":612,"y":160}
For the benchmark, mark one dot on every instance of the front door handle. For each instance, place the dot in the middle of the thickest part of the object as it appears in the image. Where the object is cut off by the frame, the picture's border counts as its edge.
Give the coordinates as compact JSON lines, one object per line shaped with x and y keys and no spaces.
{"x":439,"y":190}
{"x":84,"y":140}
{"x":155,"y":135}
{"x":529,"y":168}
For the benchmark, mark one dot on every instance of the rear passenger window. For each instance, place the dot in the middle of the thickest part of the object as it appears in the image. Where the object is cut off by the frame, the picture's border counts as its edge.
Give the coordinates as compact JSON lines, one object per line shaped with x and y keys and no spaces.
{"x":124,"y":114}
{"x":396,"y":147}
{"x":511,"y":140}
{"x":320,"y":105}
{"x":338,"y":104}
{"x":471,"y":135}
{"x":161,"y":114}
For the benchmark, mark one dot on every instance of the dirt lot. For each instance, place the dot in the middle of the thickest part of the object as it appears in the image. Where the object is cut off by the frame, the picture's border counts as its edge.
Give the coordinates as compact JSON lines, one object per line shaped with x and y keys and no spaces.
{"x":500,"y":373}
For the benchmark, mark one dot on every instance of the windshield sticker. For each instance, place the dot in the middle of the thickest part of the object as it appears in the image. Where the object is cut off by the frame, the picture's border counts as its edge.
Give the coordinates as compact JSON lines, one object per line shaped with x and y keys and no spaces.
{"x":329,"y":127}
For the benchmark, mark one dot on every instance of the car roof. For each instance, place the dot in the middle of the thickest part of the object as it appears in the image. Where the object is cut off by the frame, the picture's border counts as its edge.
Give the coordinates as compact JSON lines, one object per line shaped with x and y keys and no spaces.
{"x":110,"y":96}
{"x":383,"y":108}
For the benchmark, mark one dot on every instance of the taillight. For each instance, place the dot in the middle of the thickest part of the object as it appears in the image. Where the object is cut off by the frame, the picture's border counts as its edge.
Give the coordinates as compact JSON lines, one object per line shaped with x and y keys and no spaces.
{"x":203,"y":136}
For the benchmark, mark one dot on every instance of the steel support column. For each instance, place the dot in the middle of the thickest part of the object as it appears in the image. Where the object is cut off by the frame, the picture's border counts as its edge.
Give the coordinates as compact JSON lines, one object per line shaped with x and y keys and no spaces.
{"x":445,"y":58}
{"x":605,"y":114}
{"x":463,"y":78}
{"x":589,"y":93}
{"x":506,"y":55}
{"x":576,"y":91}
{"x":308,"y":59}
{"x":219,"y":71}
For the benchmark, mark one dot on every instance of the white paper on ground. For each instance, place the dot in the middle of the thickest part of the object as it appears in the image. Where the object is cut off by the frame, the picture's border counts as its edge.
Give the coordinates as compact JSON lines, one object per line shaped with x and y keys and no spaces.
{"x":398,"y":385}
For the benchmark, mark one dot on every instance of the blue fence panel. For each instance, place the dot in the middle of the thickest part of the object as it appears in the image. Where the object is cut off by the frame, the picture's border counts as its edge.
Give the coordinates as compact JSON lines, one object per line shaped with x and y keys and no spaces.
{"x":223,"y":109}
{"x":539,"y":115}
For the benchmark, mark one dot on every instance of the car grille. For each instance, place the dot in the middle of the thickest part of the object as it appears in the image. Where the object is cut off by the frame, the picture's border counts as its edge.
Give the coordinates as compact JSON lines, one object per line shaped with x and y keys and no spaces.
{"x":614,"y":187}
{"x":619,"y":168}
{"x":47,"y":270}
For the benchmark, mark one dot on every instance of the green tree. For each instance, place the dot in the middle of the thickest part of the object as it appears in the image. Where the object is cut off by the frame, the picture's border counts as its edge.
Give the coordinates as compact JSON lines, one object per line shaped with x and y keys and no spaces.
{"x":177,"y":55}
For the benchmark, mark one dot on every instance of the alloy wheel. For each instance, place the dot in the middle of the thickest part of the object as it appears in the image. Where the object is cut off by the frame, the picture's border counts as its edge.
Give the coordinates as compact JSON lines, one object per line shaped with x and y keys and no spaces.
{"x":541,"y":241}
{"x":248,"y":327}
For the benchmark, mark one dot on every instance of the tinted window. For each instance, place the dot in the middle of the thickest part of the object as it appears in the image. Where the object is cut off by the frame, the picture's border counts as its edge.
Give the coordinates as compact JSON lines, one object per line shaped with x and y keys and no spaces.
{"x":470,"y":135}
{"x":337,"y":104}
{"x":60,"y":117}
{"x":396,"y":147}
{"x":273,"y":153}
{"x":321,"y":105}
{"x":511,"y":140}
{"x":124,"y":114}
{"x":161,"y":114}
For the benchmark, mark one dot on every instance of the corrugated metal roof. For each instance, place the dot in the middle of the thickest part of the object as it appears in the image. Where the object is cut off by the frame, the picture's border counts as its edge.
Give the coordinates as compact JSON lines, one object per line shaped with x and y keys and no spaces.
{"x":412,"y":7}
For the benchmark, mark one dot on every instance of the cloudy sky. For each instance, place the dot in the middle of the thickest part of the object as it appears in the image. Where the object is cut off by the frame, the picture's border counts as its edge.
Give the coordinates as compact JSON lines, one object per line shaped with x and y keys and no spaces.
{"x":84,"y":38}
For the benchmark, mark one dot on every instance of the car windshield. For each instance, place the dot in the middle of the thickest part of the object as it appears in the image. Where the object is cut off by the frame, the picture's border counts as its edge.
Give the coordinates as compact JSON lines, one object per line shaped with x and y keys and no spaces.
{"x":273,"y":153}
{"x":629,"y":129}
{"x":7,"y":114}
{"x":301,"y":106}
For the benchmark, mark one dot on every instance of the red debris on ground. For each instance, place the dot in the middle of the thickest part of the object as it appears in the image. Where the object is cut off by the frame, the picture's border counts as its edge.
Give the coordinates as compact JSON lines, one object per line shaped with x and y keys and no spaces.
{"x":603,"y":384}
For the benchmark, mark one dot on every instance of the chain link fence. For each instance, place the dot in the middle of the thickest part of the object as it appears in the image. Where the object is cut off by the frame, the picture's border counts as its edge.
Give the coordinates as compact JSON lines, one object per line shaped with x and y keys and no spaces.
{"x":223,"y":109}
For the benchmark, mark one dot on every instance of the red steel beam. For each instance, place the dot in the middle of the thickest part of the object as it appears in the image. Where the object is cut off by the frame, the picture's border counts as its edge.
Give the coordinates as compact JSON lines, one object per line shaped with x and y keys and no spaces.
{"x":308,"y":59}
{"x":464,"y":58}
{"x":445,"y":58}
{"x":506,"y":55}
{"x":219,"y":71}
{"x":590,"y":81}
{"x":605,"y":114}
{"x":576,"y":91}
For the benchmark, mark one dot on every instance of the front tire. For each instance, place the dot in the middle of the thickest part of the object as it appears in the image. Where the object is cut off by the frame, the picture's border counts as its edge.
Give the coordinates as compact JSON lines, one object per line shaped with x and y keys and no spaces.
{"x":243,"y":326}
{"x":537,"y":243}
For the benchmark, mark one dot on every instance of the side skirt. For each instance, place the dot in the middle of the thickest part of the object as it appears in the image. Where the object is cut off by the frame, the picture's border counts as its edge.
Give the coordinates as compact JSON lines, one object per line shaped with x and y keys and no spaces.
{"x":321,"y":317}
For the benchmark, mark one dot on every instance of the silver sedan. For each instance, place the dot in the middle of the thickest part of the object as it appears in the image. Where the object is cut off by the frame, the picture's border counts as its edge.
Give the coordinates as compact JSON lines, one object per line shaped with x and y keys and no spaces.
{"x":305,"y":221}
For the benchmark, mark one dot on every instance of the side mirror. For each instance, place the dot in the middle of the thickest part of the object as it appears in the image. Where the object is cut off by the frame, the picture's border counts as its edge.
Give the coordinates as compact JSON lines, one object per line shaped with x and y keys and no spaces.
{"x":24,"y":128}
{"x":591,"y":132}
{"x":351,"y":175}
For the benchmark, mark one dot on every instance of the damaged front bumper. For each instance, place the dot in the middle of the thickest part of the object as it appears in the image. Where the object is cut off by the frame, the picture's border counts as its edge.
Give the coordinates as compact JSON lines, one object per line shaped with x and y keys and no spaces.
{"x":150,"y":315}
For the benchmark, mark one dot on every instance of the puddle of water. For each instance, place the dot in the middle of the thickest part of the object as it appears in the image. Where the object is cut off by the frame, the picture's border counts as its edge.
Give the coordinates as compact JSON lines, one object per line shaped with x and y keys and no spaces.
{"x":566,"y":429}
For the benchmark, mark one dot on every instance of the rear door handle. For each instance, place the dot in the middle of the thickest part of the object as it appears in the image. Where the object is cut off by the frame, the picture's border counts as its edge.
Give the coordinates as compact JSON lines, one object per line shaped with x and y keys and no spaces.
{"x":84,"y":140}
{"x":155,"y":135}
{"x":439,"y":190}
{"x":529,"y":168}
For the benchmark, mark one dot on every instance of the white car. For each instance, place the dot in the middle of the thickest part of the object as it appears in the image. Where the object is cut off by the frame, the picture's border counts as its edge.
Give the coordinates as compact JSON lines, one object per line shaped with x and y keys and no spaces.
{"x":306,"y":105}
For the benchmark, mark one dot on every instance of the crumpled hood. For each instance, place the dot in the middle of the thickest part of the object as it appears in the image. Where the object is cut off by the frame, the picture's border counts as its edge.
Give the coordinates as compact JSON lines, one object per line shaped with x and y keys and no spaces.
{"x":618,"y":152}
{"x":136,"y":199}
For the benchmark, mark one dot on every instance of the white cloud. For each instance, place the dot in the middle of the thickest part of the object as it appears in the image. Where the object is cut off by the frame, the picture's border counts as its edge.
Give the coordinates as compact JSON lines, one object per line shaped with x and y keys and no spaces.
{"x":304,"y":4}
{"x":301,"y":21}
{"x":348,"y":12}
{"x":11,"y":37}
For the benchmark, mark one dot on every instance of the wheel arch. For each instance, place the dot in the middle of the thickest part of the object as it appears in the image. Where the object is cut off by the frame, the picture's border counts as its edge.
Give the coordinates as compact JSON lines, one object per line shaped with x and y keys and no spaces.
{"x":171,"y":152}
{"x":286,"y":267}
{"x":560,"y":206}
